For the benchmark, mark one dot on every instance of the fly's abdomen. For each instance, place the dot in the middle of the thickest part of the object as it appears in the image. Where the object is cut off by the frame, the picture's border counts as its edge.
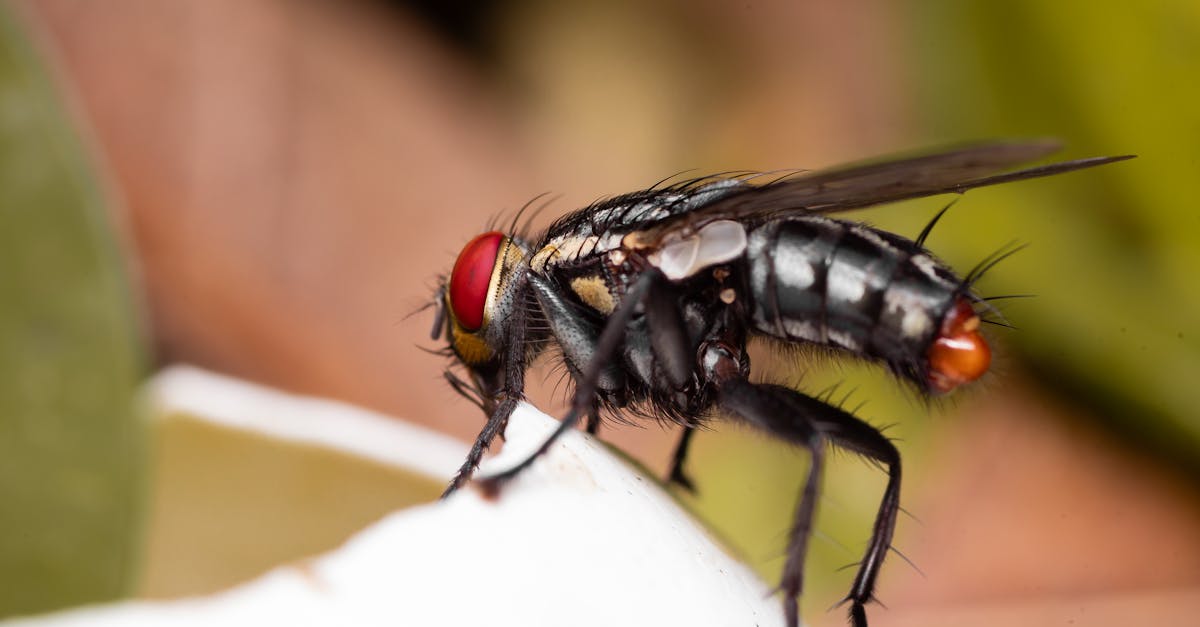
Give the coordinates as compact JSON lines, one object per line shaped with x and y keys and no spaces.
{"x":847,"y":285}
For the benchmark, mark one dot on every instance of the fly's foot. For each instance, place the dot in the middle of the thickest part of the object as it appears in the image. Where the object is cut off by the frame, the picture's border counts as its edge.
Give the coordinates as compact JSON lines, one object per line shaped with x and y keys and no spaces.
{"x":491,"y":485}
{"x":451,"y":489}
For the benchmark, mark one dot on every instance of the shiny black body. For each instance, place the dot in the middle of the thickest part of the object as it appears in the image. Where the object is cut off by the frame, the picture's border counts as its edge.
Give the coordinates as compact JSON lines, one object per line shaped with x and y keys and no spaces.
{"x":860,"y":290}
{"x":895,"y":277}
{"x":644,"y":335}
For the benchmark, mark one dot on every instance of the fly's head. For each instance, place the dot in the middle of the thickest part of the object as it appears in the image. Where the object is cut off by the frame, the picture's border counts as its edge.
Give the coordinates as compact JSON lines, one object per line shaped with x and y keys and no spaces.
{"x":959,"y":353}
{"x":476,"y":303}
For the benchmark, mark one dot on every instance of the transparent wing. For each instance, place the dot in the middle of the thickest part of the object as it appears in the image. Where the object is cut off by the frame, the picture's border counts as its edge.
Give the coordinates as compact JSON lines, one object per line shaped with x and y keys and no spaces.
{"x":878,"y":182}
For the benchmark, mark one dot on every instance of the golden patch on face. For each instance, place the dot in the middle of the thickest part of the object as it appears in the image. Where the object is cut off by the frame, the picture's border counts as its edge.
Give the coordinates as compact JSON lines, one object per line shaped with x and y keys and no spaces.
{"x":470,"y":347}
{"x":593,"y":291}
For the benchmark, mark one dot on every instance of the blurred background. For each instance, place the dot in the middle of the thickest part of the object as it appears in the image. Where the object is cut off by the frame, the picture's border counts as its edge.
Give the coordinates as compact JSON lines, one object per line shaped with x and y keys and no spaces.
{"x":267,"y":188}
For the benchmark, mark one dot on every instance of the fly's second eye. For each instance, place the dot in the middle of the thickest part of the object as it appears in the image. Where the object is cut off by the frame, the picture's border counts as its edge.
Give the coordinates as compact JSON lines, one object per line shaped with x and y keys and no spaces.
{"x":471,"y":279}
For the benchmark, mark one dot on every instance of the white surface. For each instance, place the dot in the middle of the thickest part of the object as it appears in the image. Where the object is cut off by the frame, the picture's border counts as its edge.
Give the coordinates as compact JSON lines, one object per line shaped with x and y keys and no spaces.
{"x":237,"y":404}
{"x":579,"y":539}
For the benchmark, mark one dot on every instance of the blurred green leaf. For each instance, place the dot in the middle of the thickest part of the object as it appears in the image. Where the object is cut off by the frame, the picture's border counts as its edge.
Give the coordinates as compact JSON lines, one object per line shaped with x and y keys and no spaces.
{"x":71,"y":446}
{"x":1116,"y":321}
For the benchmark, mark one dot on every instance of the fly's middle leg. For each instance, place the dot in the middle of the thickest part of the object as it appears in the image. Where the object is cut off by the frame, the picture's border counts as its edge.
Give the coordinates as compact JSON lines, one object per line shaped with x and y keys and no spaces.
{"x":676,"y":474}
{"x":512,"y":391}
{"x":718,"y":357}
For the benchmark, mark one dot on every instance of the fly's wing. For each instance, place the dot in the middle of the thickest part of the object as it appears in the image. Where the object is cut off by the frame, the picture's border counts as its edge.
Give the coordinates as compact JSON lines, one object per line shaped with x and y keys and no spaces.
{"x":875,"y":183}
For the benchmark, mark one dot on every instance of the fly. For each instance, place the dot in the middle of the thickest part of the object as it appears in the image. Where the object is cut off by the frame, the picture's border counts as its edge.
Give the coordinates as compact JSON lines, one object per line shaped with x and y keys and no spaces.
{"x":651,"y":298}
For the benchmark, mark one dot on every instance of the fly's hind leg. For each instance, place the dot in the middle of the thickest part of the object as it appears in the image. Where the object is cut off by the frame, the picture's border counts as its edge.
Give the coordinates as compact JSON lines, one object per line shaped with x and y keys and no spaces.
{"x":771,"y":409}
{"x":856,"y":435}
{"x":811,"y":423}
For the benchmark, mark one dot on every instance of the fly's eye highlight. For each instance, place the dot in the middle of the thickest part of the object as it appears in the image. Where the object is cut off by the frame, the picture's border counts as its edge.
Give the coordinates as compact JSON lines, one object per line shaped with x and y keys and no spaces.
{"x":471,"y":279}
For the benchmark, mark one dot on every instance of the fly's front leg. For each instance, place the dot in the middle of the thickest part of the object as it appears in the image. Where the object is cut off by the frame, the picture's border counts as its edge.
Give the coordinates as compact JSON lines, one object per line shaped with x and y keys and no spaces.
{"x":495,"y":426}
{"x":501,"y":404}
{"x":673,"y":351}
{"x":577,"y":335}
{"x":585,"y":390}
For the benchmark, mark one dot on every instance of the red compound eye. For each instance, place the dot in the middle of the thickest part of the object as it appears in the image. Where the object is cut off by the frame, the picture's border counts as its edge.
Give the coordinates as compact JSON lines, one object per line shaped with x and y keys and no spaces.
{"x":471,"y":277}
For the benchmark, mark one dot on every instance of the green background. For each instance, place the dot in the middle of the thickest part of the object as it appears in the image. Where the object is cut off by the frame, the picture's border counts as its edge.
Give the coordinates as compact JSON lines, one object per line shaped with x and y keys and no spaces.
{"x":72,"y":460}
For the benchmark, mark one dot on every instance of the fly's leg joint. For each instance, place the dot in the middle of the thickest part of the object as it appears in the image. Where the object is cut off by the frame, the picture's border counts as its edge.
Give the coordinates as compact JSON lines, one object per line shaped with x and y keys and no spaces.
{"x":719,"y":362}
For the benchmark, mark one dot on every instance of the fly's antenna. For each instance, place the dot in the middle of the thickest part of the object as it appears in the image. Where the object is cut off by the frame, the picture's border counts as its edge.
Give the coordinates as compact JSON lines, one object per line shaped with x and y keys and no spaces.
{"x":987,"y":263}
{"x":929,"y":227}
{"x":439,"y":318}
{"x":438,"y":303}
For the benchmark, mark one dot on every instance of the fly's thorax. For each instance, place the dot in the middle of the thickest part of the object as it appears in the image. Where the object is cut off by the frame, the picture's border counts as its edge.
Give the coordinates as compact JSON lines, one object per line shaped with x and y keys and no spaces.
{"x":845,"y":285}
{"x":598,"y":268}
{"x":585,"y":266}
{"x":573,"y":248}
{"x":593,"y":246}
{"x":481,"y":294}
